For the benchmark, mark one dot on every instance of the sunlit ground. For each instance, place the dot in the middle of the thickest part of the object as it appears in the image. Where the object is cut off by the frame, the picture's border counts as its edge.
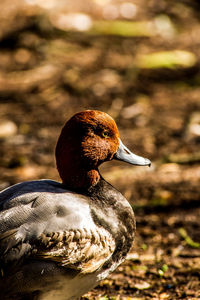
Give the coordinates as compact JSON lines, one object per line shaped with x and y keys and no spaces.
{"x":139,"y":61}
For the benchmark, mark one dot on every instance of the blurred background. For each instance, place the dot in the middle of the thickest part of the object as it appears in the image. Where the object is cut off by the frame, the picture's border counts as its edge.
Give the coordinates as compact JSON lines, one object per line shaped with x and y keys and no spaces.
{"x":139,"y":61}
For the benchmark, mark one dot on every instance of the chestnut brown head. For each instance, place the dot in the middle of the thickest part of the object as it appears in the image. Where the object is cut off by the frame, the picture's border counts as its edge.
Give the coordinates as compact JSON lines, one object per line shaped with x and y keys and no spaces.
{"x":88,"y":139}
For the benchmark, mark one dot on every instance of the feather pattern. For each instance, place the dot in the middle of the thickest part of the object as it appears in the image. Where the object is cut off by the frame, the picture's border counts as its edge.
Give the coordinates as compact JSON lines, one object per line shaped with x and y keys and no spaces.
{"x":78,"y":249}
{"x":59,"y":230}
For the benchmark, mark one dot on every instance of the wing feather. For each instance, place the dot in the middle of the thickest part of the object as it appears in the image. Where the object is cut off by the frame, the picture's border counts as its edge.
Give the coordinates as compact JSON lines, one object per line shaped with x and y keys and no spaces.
{"x":86,"y":253}
{"x":42,"y":220}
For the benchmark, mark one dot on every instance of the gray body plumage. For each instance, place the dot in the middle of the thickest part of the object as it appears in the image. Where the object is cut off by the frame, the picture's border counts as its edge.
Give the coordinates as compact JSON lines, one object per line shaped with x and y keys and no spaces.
{"x":58,"y":244}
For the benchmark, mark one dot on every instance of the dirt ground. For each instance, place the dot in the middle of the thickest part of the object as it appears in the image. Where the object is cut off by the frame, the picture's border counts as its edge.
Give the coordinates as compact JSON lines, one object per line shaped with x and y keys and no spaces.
{"x":50,"y":69}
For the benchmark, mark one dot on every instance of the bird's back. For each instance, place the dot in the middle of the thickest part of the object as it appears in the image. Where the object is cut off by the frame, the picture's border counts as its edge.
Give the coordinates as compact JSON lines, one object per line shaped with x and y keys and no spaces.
{"x":55,"y":243}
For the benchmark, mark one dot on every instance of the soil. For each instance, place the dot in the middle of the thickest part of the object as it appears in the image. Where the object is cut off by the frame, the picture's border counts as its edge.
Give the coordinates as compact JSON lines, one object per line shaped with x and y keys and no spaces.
{"x":48,"y":73}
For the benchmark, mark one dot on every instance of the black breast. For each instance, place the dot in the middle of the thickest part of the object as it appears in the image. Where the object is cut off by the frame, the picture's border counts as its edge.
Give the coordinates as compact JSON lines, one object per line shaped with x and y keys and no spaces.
{"x":112,"y":211}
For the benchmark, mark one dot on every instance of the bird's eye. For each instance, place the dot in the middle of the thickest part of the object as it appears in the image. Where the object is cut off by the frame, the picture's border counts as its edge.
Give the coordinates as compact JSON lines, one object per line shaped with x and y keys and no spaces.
{"x":105,"y":134}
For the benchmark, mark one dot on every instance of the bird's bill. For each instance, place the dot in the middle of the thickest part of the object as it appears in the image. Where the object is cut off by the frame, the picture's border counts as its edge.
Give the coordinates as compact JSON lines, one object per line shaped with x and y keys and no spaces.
{"x":124,"y":154}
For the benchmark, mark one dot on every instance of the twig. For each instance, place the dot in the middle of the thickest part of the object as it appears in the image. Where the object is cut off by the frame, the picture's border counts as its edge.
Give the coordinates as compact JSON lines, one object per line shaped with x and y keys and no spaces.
{"x":188,"y":240}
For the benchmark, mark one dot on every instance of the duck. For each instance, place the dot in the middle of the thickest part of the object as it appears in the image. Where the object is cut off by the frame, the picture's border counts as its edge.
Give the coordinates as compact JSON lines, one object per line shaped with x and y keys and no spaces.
{"x":58,"y":240}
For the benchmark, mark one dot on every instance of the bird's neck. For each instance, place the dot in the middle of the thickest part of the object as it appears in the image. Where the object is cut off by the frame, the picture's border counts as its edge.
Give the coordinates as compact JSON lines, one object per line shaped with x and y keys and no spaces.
{"x":79,"y":179}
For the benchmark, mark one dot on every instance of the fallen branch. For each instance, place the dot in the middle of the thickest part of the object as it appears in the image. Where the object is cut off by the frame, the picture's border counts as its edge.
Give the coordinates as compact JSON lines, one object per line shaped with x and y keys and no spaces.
{"x":23,"y":81}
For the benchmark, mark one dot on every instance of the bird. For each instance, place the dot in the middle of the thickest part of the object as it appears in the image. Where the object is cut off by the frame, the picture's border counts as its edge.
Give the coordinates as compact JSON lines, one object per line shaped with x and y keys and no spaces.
{"x":58,"y":240}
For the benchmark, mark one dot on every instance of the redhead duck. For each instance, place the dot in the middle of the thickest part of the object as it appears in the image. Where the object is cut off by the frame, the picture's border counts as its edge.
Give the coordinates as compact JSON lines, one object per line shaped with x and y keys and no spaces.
{"x":58,"y":240}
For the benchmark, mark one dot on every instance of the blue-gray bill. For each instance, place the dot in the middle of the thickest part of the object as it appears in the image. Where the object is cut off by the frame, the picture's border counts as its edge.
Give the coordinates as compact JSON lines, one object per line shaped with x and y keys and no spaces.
{"x":124,"y":154}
